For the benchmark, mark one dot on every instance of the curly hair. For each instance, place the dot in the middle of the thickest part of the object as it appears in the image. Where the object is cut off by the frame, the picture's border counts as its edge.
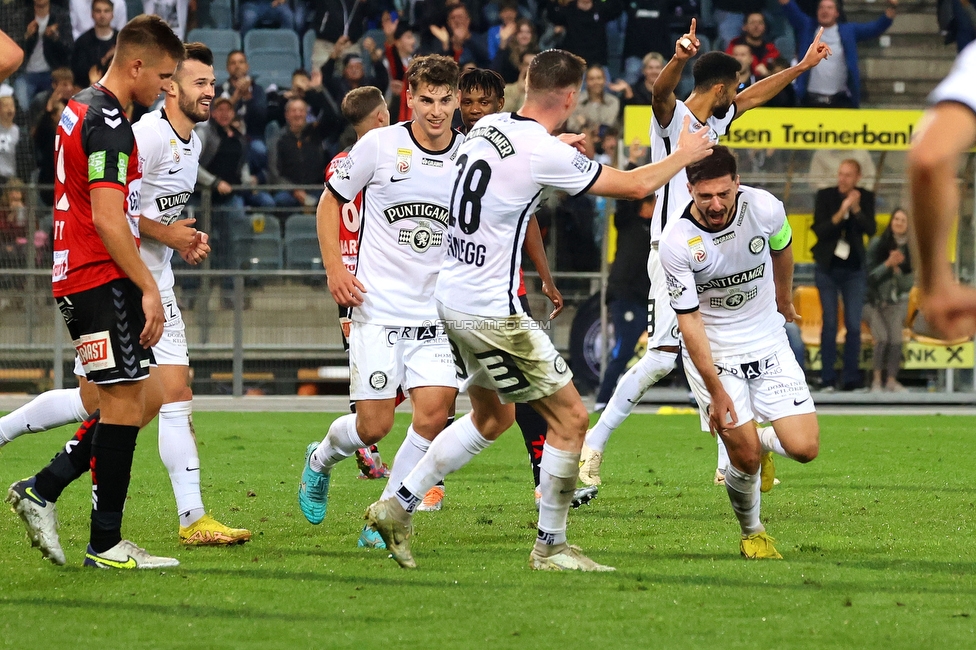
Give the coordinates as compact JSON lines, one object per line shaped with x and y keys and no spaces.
{"x":433,"y":70}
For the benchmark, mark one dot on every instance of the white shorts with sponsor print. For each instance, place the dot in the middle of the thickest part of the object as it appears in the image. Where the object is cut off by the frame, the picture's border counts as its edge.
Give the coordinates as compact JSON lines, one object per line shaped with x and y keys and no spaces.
{"x":382,"y":357}
{"x":171,"y":349}
{"x":662,"y":323}
{"x":511,"y":356}
{"x":764,"y":386}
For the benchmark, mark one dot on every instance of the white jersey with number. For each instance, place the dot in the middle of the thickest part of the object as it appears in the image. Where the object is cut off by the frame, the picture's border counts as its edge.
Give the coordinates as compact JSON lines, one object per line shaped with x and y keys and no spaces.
{"x":169,"y":172}
{"x":958,"y":86}
{"x":674,"y":196}
{"x":728,"y":274}
{"x":406,"y":190}
{"x":500,"y":172}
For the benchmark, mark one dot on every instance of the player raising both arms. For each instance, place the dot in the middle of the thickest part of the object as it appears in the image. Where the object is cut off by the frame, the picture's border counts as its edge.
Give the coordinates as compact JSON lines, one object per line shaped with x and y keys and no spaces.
{"x":728,"y":267}
{"x":712,"y":105}
{"x":106,"y":293}
{"x":500,"y":173}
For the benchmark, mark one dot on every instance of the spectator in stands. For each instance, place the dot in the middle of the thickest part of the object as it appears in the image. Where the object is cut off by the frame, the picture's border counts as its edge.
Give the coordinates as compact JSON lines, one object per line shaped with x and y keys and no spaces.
{"x":61,"y":90}
{"x":250,"y":102}
{"x":515,"y":92}
{"x":596,"y":107}
{"x":95,"y":48}
{"x":754,"y":36}
{"x":332,"y":19}
{"x":83,"y":17}
{"x":507,"y":60}
{"x":42,"y":134}
{"x":743,"y":55}
{"x":890,"y":280}
{"x":836,"y":82}
{"x":647,"y":32}
{"x":730,"y":16}
{"x":276,"y":13}
{"x":175,"y":12}
{"x":825,"y":163}
{"x":581,"y":25}
{"x":353,"y":74}
{"x":46,"y":41}
{"x":9,"y":137}
{"x":300,"y":159}
{"x":842,"y":216}
{"x":456,"y":40}
{"x":401,"y":43}
{"x":786,"y":98}
{"x":641,"y":93}
{"x":498,"y":35}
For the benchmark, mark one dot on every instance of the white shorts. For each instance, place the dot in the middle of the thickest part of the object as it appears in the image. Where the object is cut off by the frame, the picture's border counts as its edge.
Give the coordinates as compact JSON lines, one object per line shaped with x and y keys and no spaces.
{"x":764,"y":386}
{"x":383,"y":357}
{"x":662,"y":323}
{"x":171,"y":349}
{"x":511,"y":356}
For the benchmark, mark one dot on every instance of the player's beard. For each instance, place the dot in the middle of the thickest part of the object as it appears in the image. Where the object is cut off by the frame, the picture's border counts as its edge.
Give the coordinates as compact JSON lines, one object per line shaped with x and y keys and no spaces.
{"x":721,"y":111}
{"x":717,"y":220}
{"x":193,"y":110}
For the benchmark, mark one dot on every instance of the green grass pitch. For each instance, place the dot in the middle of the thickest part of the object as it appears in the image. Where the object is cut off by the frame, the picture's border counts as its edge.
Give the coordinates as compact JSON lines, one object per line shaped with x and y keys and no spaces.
{"x":877,"y":534}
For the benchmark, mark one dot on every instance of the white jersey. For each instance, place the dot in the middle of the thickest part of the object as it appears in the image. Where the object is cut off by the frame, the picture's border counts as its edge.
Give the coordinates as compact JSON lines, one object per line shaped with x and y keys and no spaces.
{"x":169,"y":172}
{"x":501,"y":170}
{"x":406,"y":191}
{"x":674,"y":196}
{"x":728,"y":274}
{"x":958,"y":85}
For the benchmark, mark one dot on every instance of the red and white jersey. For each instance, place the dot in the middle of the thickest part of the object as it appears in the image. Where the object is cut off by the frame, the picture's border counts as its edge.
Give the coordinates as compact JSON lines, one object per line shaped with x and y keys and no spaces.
{"x":94,"y":148}
{"x":350,"y":218}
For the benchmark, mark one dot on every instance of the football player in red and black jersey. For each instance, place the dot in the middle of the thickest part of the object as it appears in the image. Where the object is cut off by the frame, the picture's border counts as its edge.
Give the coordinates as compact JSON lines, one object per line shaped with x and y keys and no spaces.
{"x":107,"y":295}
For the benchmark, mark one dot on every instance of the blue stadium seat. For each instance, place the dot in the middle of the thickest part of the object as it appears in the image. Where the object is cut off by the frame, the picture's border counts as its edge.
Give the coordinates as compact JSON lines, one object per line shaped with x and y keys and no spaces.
{"x":271,"y":40}
{"x":273,"y":67}
{"x":258,"y":250}
{"x":300,"y":225}
{"x":308,"y":46}
{"x":302,"y":250}
{"x":222,"y":42}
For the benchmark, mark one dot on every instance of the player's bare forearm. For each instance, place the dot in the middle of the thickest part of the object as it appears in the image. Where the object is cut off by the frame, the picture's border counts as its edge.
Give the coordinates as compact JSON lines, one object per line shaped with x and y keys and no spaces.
{"x":180,"y":235}
{"x":765,"y":89}
{"x":696,"y":342}
{"x":945,"y":133}
{"x":663,"y":100}
{"x":327,"y":227}
{"x":783,"y":281}
{"x":11,"y":56}
{"x":108,"y":216}
{"x":536,"y":250}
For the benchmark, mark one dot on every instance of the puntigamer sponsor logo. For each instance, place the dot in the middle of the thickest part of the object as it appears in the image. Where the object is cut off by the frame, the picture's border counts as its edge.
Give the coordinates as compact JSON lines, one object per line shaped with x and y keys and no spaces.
{"x":496,"y":138}
{"x":732,"y":280}
{"x":164,"y":203}
{"x":437,"y":213}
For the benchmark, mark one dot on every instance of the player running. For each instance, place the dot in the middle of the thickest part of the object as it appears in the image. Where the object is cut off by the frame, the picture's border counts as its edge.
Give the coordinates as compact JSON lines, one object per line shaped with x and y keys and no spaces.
{"x":712,"y":105}
{"x":728,"y":268}
{"x":168,"y":153}
{"x":500,"y":173}
{"x":106,"y":293}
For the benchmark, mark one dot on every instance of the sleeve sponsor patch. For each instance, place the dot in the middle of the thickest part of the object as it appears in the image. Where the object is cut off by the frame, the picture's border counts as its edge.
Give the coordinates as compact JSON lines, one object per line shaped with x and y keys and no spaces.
{"x":68,"y":120}
{"x":675,"y":288}
{"x":582,"y":163}
{"x":341,"y":168}
{"x":123,"y":167}
{"x":96,"y":166}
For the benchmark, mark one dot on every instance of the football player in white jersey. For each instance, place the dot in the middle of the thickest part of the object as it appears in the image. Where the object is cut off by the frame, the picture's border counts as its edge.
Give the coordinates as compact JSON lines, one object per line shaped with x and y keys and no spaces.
{"x":405,"y":173}
{"x":499,"y":174}
{"x":169,"y":152}
{"x":728,"y":267}
{"x":947,"y":130}
{"x":712,"y":105}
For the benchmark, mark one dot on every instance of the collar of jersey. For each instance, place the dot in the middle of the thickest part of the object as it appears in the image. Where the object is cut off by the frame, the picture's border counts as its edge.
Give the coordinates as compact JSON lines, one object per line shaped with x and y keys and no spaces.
{"x":688,"y":215}
{"x":454,"y":135}
{"x":162,"y":112}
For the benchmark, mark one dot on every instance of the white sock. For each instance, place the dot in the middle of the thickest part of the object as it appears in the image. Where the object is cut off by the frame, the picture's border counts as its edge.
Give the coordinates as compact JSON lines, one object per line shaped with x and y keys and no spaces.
{"x":723,"y":455}
{"x":557,"y":482}
{"x":408,"y":455}
{"x":770,"y":441}
{"x":341,"y":443}
{"x":178,"y":451}
{"x":743,"y":490}
{"x":48,"y":410}
{"x":652,"y":368}
{"x":450,"y":451}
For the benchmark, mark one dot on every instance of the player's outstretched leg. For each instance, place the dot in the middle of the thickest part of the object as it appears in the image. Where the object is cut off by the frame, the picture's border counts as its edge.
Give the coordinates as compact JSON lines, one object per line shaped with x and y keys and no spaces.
{"x":48,"y":410}
{"x":652,"y":368}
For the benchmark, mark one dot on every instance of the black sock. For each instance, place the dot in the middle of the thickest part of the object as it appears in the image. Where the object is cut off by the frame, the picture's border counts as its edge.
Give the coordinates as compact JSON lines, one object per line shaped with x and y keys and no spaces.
{"x":534,"y":428}
{"x":69,"y":464}
{"x":111,"y":464}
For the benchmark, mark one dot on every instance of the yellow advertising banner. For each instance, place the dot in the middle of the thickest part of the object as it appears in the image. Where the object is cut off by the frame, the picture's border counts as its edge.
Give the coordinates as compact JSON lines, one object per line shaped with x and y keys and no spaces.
{"x":802,"y":128}
{"x":914,"y":356}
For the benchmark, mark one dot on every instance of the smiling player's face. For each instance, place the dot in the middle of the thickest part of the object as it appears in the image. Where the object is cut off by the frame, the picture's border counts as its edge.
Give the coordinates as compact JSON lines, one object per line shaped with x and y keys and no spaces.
{"x":433,"y":109}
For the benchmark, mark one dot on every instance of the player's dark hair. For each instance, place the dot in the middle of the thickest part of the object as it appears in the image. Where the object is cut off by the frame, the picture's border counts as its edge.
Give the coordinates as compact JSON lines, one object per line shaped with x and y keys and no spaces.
{"x":714,"y":68}
{"x":747,"y":16}
{"x":433,"y":70}
{"x":148,"y":33}
{"x":719,"y":165}
{"x":555,"y":70}
{"x":197,"y":52}
{"x":232,"y":53}
{"x":104,"y":2}
{"x":487,"y":81}
{"x":359,"y":103}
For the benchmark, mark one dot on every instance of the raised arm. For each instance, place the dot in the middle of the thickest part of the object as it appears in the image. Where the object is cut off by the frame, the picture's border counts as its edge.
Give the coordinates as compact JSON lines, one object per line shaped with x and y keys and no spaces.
{"x":663,"y":99}
{"x":762,"y":91}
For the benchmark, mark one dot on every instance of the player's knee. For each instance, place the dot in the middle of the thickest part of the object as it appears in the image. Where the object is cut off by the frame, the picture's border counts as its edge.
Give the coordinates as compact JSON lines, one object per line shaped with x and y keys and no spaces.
{"x":183,"y":394}
{"x":372,"y":430}
{"x":807,"y":450}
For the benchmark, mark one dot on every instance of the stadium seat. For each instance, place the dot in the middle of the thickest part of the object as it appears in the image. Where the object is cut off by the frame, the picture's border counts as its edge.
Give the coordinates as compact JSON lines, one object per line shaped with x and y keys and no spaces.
{"x":300,"y":225}
{"x":258,"y":250}
{"x":276,"y":68}
{"x":271,"y":40}
{"x":308,"y":46}
{"x":222,"y":42}
{"x":302,"y":253}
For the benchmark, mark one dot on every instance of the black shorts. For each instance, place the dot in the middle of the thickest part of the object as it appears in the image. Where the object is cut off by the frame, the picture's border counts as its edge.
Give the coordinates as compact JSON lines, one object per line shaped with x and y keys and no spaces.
{"x":105,"y":324}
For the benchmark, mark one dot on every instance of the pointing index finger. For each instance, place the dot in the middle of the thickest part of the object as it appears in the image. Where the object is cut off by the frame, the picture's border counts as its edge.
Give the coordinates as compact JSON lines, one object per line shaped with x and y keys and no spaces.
{"x":694,"y":23}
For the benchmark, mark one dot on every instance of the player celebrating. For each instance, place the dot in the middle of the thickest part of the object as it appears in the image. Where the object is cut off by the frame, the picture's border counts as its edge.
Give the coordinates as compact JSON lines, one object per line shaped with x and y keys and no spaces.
{"x":712,"y":105}
{"x":728,"y":264}
{"x":394,"y":338}
{"x":501,"y":171}
{"x":104,"y":290}
{"x":947,"y":130}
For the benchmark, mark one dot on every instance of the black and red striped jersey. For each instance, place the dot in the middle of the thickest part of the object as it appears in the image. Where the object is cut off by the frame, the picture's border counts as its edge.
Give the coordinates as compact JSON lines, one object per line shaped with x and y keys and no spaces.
{"x":94,"y":147}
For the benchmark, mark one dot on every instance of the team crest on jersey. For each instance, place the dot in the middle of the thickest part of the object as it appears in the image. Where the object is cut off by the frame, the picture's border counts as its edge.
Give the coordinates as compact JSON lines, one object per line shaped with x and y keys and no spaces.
{"x":378,"y":380}
{"x":176,"y":150}
{"x":421,"y":238}
{"x":697,"y":247}
{"x":559,"y":365}
{"x":675,"y":288}
{"x":404,"y":156}
{"x":757,"y":245}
